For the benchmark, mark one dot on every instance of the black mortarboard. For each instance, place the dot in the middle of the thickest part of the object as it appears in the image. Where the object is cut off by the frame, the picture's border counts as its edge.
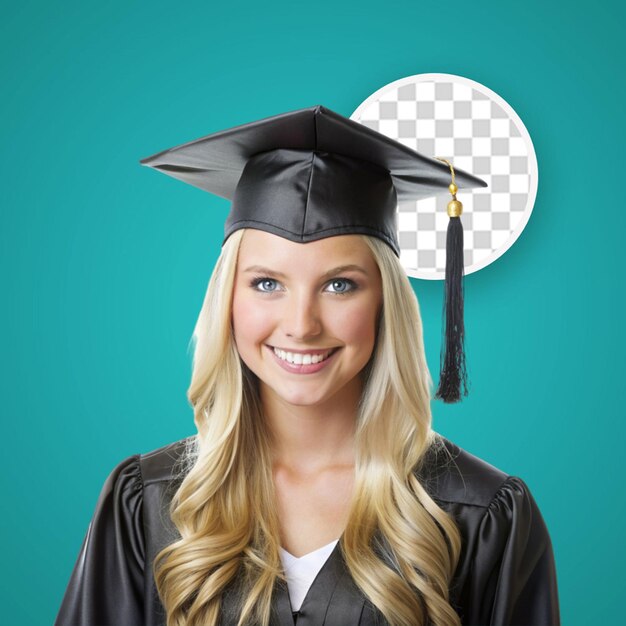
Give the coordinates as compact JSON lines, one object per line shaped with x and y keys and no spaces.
{"x":310,"y":174}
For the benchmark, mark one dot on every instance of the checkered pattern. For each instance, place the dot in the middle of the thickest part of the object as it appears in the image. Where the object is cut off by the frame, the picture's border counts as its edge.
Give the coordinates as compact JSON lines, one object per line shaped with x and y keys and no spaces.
{"x":455,"y":120}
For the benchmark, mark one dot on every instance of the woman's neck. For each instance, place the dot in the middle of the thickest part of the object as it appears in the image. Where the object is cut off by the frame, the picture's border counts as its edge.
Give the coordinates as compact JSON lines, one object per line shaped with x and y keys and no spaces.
{"x":307,"y":438}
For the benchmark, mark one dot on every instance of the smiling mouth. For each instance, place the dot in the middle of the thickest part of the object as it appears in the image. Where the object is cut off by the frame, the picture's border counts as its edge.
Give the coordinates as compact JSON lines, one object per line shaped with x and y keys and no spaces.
{"x":303,"y":358}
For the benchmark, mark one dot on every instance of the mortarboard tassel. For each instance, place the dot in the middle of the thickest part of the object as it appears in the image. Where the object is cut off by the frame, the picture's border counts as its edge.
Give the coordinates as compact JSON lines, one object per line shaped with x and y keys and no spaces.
{"x":453,"y":375}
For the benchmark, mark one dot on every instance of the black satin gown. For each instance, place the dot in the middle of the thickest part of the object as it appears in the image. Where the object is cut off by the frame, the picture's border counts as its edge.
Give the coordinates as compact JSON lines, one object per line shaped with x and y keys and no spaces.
{"x":505,"y":576}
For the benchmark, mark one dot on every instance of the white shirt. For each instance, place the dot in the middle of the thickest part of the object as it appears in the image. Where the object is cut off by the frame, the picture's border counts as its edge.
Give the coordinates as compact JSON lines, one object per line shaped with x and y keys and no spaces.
{"x":301,"y":571}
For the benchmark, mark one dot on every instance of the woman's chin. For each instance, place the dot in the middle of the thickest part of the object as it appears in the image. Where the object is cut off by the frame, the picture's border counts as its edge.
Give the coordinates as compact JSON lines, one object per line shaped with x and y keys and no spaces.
{"x":301,"y":399}
{"x":298,"y":395}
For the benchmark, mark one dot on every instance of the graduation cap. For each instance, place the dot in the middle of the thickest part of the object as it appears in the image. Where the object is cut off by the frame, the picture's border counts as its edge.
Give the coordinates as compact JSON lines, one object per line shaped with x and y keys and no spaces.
{"x":312,"y":173}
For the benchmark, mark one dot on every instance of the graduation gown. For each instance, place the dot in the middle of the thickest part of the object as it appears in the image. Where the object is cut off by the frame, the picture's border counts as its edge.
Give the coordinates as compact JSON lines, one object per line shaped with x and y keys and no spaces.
{"x":505,"y":575}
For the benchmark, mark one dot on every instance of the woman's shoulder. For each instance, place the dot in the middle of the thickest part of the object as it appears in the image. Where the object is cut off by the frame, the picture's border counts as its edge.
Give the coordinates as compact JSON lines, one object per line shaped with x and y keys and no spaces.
{"x":128,"y":528}
{"x":159,"y":465}
{"x":453,"y":475}
{"x":506,"y":573}
{"x":166,"y":463}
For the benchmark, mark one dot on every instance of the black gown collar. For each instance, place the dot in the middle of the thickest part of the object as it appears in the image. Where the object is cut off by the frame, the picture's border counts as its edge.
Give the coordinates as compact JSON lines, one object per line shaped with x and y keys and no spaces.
{"x":332,"y":598}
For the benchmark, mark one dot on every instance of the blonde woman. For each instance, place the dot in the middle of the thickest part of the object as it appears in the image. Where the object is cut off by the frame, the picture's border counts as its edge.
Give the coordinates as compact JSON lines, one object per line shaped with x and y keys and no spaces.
{"x":315,"y":490}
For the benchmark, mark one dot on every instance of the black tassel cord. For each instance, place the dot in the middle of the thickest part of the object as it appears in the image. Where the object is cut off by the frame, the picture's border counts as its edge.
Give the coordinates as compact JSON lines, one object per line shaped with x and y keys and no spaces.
{"x":453,"y":376}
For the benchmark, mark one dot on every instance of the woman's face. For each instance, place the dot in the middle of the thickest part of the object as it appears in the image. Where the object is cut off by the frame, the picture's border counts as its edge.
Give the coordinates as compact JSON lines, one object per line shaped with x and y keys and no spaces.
{"x":304,"y":315}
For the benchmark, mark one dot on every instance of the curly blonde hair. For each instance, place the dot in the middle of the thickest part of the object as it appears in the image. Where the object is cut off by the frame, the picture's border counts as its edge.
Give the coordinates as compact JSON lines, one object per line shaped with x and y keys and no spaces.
{"x":400,"y":547}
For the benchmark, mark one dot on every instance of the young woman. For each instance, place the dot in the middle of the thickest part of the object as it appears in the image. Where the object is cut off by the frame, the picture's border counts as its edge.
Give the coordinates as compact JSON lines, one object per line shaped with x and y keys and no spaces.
{"x":315,"y":490}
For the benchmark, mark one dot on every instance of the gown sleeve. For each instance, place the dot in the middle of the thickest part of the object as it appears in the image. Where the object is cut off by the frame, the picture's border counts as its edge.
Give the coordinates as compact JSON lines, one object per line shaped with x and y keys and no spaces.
{"x":106,"y":585}
{"x":514,"y":579}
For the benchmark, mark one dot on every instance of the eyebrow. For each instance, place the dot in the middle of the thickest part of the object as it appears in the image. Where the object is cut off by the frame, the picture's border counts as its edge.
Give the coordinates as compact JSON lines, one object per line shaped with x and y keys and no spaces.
{"x":333,"y":272}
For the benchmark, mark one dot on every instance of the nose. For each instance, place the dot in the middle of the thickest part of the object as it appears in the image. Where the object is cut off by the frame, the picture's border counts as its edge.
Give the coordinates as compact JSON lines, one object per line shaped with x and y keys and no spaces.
{"x":301,"y":317}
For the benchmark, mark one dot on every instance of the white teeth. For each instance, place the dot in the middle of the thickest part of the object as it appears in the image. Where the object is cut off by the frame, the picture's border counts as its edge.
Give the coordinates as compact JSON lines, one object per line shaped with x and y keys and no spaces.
{"x":297,"y":358}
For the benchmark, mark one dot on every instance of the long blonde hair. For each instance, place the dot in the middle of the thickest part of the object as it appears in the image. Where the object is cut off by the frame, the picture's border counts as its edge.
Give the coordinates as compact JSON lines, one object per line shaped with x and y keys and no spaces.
{"x":400,"y":547}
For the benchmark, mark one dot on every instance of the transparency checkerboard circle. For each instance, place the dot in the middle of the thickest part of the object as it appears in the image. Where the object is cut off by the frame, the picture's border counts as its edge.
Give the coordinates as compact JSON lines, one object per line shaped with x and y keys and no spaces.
{"x":456,"y":118}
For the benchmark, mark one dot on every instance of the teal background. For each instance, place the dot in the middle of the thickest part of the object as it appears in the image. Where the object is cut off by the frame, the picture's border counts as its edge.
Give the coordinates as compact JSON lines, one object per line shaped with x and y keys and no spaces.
{"x":104,"y":263}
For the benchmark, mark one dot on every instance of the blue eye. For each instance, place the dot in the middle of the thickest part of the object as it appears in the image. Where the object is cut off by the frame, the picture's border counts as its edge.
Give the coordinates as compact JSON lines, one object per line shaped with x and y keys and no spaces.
{"x":342,"y":285}
{"x":263,"y":284}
